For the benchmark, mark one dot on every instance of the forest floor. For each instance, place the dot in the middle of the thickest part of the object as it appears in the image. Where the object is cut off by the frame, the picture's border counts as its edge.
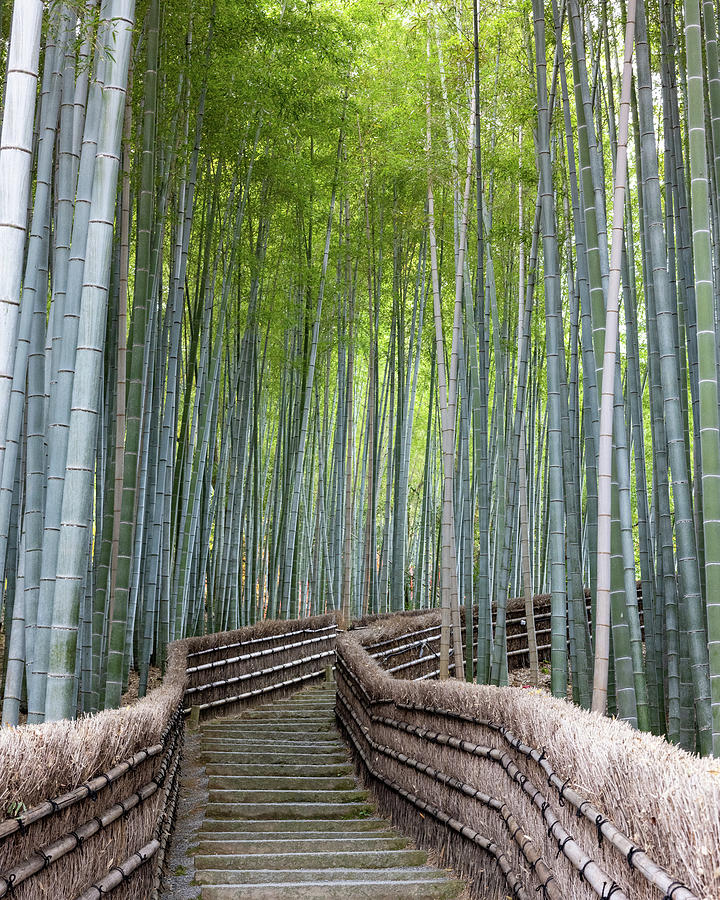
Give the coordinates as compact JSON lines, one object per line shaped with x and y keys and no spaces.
{"x":521,"y":678}
{"x":131,"y":694}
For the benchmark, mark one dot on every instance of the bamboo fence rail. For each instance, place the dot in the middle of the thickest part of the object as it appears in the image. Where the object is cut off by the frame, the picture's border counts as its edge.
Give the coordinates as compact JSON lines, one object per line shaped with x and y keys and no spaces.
{"x":462,"y":768}
{"x":118,"y":773}
{"x":563,"y":802}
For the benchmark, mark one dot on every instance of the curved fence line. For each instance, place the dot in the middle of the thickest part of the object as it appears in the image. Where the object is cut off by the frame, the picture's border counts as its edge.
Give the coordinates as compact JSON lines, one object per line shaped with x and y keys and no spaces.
{"x":421,"y":744}
{"x":520,"y":793}
{"x":52,"y":847}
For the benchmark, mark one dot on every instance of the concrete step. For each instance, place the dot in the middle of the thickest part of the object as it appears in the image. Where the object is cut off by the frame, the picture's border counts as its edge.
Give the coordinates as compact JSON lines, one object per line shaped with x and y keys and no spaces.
{"x":323,"y":703}
{"x":289,"y":715}
{"x":282,"y":844}
{"x":268,"y":743}
{"x":288,"y":810}
{"x":339,"y":859}
{"x":281,"y":770}
{"x":309,"y":733}
{"x":292,"y":827}
{"x":316,"y":701}
{"x":279,"y":782}
{"x":320,"y":706}
{"x":286,"y":838}
{"x":340,"y":890}
{"x":285,"y":796}
{"x":288,"y":723}
{"x":280,"y":758}
{"x":286,"y":820}
{"x":263,"y":743}
{"x":289,"y":720}
{"x":326,"y":876}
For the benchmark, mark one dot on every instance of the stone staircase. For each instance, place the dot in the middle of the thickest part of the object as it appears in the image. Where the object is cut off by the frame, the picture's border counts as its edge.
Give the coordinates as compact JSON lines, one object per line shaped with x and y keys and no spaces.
{"x":286,"y":819}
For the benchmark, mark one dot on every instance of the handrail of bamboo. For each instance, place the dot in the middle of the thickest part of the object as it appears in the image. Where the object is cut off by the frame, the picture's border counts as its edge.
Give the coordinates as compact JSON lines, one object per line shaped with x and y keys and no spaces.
{"x":231,"y":660}
{"x":73,"y":840}
{"x":586,"y":868}
{"x":90,"y":788}
{"x":260,"y":640}
{"x":32,"y":862}
{"x":261,"y":692}
{"x":248,"y":676}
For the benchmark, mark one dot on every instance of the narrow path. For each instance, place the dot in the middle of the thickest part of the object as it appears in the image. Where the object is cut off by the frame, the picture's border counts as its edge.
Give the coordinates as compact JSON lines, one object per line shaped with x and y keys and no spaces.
{"x":286,"y":819}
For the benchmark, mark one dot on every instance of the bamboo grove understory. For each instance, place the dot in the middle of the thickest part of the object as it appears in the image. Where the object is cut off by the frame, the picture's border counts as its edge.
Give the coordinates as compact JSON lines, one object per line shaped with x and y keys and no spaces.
{"x":368,"y":307}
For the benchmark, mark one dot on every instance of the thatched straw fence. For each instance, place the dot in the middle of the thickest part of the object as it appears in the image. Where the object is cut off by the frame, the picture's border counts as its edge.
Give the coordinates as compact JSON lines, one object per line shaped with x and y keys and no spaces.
{"x":87,"y":806}
{"x":520,"y":793}
{"x":408,"y":644}
{"x":524,"y":794}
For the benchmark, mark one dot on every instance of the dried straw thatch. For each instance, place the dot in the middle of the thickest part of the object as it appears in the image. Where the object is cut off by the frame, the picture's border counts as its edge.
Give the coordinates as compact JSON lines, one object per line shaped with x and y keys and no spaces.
{"x":235,"y":669}
{"x":517,"y":791}
{"x":450,"y":739}
{"x":99,"y":793}
{"x":408,"y":645}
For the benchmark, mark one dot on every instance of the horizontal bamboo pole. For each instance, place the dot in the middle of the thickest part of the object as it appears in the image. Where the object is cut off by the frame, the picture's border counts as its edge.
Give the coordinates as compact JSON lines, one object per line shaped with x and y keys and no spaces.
{"x":258,"y":654}
{"x":164,"y":831}
{"x":567,"y":845}
{"x":283,"y":635}
{"x":515,"y":886}
{"x":166,"y":775}
{"x":50,"y":853}
{"x":248,"y":676}
{"x":525,"y":845}
{"x":90,"y":788}
{"x":389,"y":646}
{"x":433,"y":630}
{"x":259,"y":692}
{"x":634,"y":855}
{"x":118,"y":875}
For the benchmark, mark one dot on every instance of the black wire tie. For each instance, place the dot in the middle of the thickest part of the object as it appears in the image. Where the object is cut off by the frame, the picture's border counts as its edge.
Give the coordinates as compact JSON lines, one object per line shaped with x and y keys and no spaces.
{"x":631,"y":852}
{"x":562,"y":791}
{"x":543,"y":887}
{"x":599,"y":822}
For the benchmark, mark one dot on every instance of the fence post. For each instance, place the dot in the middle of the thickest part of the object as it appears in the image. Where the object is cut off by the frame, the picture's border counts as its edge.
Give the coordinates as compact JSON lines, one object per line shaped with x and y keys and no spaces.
{"x":194,"y":723}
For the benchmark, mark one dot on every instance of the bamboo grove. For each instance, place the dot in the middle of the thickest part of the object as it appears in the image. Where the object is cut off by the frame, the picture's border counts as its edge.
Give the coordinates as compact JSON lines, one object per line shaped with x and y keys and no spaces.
{"x":316,"y":305}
